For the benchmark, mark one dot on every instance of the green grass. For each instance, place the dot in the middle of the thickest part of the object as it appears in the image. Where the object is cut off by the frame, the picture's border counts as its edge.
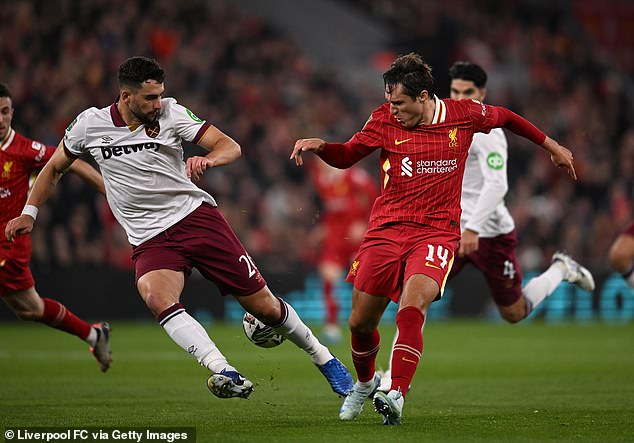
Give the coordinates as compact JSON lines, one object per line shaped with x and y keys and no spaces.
{"x":477,"y":382}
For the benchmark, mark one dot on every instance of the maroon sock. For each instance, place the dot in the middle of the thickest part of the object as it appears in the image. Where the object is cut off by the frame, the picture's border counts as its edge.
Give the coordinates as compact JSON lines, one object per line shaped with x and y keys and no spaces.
{"x":364,"y":350}
{"x":58,"y":316}
{"x":332,"y":310}
{"x":408,"y":348}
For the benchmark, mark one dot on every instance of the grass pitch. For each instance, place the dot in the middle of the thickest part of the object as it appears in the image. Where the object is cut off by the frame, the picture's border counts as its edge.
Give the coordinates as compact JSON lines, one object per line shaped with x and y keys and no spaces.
{"x":477,"y":382}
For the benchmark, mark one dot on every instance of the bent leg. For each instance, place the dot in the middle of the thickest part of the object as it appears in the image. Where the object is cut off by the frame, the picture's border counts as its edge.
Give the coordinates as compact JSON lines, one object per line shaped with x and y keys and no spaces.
{"x":418,"y":294}
{"x":365,"y":317}
{"x":276,"y":313}
{"x":29,"y":306}
{"x":161,"y":290}
{"x":621,"y":257}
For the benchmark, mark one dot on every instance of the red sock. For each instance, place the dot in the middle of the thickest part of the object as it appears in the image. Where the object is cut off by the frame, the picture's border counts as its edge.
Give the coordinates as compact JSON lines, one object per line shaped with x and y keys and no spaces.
{"x":364,"y":350}
{"x":57,"y":316}
{"x":408,"y":347}
{"x":332,"y":310}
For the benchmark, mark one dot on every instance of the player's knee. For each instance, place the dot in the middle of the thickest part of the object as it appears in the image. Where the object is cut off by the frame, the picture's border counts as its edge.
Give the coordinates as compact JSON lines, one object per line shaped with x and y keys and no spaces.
{"x":620,"y":259}
{"x":27,"y":313}
{"x":513,"y":314}
{"x":360,"y":328}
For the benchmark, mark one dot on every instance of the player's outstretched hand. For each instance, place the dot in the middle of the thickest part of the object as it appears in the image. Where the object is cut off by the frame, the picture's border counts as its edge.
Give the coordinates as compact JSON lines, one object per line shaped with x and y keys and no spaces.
{"x":560,"y":156}
{"x":196,"y":167}
{"x":315,"y":145}
{"x":19,"y":225}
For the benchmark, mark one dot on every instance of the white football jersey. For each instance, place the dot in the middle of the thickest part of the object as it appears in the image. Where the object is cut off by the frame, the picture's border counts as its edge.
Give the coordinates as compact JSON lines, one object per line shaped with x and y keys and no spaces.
{"x":484,"y":186}
{"x":143,"y":169}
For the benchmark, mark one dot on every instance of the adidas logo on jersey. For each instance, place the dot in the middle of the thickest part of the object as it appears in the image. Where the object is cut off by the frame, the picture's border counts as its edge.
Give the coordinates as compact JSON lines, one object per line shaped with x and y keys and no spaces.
{"x":117,"y":151}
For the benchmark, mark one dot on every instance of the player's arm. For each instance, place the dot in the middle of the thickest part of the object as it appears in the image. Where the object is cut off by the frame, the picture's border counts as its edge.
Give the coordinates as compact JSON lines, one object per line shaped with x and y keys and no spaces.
{"x":338,"y":155}
{"x":89,"y":174}
{"x":491,"y":194}
{"x":559,"y":155}
{"x":42,"y":188}
{"x":222,"y":151}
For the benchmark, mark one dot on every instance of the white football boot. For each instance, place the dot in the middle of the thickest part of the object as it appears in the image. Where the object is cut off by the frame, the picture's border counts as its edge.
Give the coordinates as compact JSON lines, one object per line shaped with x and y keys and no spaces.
{"x":573,"y":272}
{"x":353,"y":404}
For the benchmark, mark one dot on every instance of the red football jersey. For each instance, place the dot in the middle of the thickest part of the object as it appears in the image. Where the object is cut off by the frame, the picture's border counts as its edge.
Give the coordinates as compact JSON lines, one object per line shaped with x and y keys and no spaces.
{"x":346,"y":195}
{"x":20,"y":157}
{"x":422,"y":167}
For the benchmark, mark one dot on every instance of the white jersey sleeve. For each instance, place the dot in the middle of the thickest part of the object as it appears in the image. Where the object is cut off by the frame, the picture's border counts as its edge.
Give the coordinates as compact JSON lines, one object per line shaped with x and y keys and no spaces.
{"x":75,"y":134}
{"x":485,"y":185}
{"x":187,"y":124}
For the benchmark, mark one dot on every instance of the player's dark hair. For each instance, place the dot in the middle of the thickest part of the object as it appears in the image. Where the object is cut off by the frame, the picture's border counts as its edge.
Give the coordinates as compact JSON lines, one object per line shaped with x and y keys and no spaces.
{"x":412,"y":73}
{"x":469,"y":72}
{"x":135,"y":70}
{"x":5,"y":91}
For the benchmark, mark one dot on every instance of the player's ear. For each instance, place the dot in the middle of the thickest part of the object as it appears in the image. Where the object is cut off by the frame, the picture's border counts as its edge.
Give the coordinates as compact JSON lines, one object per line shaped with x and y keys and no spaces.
{"x":125,"y":94}
{"x":424,"y":95}
{"x":483,"y":93}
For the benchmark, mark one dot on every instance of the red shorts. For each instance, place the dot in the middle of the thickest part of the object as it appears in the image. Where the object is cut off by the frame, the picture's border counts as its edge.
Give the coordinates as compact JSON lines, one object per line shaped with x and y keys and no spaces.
{"x":497,"y":260}
{"x":15,"y":274}
{"x":337,"y":247}
{"x":390,"y":254}
{"x":629,"y":230}
{"x":205,"y":241}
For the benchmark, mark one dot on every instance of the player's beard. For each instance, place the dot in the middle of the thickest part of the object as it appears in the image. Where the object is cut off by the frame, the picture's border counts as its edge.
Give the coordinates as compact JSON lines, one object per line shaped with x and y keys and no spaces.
{"x":145,"y":119}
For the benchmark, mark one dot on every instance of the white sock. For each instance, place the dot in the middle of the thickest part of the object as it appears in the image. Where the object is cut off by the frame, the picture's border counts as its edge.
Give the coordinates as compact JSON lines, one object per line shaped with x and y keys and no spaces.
{"x":294,"y":329}
{"x":629,"y":278}
{"x":540,"y":287}
{"x":93,"y":335}
{"x":192,"y":337}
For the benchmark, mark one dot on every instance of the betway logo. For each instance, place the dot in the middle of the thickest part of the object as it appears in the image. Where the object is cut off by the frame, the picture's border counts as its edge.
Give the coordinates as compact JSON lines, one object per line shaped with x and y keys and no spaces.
{"x":117,"y":151}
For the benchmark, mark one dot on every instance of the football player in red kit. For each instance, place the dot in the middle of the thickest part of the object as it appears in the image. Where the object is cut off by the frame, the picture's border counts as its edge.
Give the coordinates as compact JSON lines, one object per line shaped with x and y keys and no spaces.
{"x":20,"y":158}
{"x":414,"y":229}
{"x":346,"y":197}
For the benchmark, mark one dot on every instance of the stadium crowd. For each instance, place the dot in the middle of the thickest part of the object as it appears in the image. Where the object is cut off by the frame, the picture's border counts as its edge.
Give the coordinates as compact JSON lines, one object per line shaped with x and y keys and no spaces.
{"x":254,"y":82}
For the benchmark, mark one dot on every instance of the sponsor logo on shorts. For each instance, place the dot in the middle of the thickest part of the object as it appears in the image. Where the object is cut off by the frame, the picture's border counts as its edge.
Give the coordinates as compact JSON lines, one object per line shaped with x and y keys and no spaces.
{"x":429,"y":265}
{"x":117,"y":151}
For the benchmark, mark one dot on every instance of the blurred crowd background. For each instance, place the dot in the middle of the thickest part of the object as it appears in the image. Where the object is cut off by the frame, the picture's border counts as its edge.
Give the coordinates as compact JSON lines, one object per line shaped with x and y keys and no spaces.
{"x":566,"y":66}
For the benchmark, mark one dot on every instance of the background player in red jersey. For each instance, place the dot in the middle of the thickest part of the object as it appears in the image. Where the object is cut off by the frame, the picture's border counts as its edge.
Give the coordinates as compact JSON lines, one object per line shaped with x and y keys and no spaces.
{"x":20,"y":158}
{"x":414,"y":227}
{"x":346,"y":197}
{"x":622,"y":254}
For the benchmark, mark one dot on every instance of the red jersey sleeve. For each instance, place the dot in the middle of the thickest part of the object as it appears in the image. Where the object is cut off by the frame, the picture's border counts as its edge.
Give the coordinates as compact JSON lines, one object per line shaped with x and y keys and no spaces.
{"x":40,"y":154}
{"x":487,"y":117}
{"x":363,"y":143}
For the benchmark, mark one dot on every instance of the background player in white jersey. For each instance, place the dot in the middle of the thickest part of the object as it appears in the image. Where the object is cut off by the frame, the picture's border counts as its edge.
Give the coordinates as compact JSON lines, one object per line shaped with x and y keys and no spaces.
{"x":172,"y":224}
{"x":488,"y":239}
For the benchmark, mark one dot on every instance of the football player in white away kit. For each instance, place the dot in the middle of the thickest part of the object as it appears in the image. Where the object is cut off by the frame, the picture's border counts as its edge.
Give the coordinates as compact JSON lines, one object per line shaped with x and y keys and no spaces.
{"x":488,"y":238}
{"x":172,"y":224}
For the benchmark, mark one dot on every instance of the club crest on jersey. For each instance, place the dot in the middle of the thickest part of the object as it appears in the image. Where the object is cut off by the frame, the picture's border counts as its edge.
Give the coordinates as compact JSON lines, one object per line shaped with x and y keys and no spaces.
{"x":453,"y":138}
{"x":354,"y":268}
{"x":6,"y":169}
{"x":153,"y":130}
